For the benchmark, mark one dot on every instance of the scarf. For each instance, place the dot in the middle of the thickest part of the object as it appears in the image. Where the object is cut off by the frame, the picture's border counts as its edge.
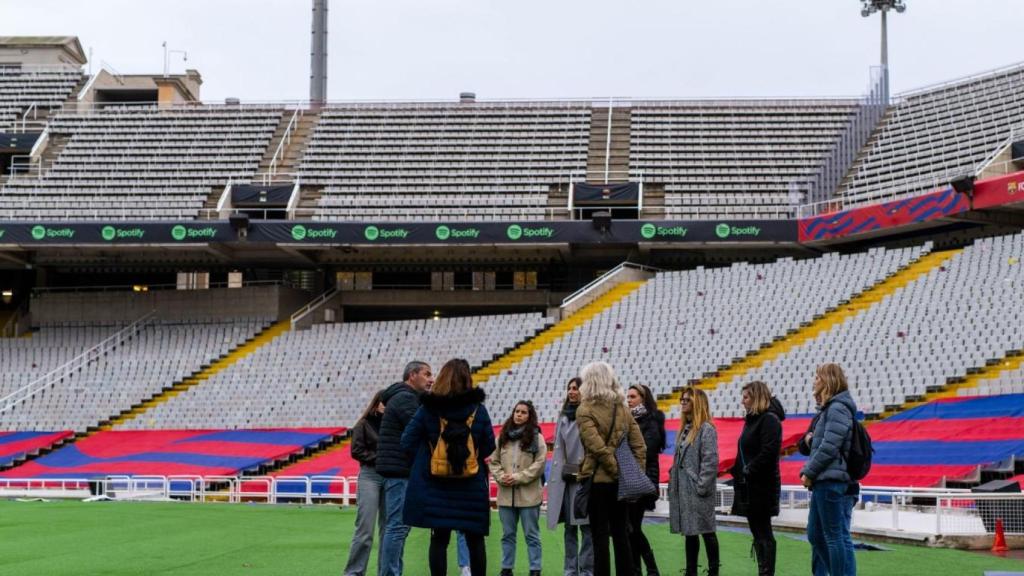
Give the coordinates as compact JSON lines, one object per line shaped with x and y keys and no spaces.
{"x":516,"y":433}
{"x":570,"y":411}
{"x":638,"y":411}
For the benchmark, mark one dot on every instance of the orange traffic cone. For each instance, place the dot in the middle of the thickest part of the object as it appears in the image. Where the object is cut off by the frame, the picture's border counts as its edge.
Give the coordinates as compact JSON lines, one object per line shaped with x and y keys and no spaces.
{"x":999,"y":545}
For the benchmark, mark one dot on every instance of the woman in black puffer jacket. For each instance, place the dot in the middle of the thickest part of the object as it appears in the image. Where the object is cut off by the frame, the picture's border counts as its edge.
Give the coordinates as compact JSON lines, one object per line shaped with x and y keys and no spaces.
{"x":652,"y":424}
{"x":756,"y":470}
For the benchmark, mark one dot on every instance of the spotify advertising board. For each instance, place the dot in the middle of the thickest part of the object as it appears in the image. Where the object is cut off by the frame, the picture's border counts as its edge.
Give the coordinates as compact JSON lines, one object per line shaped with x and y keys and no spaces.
{"x":536,"y":232}
{"x":115,"y":232}
{"x":400,"y":233}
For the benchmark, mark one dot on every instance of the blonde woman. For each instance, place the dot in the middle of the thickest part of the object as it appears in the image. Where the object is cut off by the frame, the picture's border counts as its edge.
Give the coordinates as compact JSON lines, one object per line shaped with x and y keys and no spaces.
{"x":603,"y":422}
{"x":692,"y":481}
{"x":828,"y":523}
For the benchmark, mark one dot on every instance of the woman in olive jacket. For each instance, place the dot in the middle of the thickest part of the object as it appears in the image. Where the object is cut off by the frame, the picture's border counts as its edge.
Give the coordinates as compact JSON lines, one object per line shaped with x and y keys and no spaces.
{"x":603,"y":422}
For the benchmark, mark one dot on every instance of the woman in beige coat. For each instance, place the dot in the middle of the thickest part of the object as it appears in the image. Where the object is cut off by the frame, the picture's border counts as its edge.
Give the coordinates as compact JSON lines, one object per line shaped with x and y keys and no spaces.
{"x":518,"y":467}
{"x":604,"y":421}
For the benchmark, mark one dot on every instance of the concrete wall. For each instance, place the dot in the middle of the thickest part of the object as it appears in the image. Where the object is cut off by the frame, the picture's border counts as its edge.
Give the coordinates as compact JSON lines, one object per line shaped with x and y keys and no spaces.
{"x":37,"y":56}
{"x":123,"y":306}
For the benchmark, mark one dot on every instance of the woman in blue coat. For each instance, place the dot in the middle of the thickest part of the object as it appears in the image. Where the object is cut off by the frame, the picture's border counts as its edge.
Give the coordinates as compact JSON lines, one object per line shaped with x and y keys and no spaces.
{"x":450,"y":502}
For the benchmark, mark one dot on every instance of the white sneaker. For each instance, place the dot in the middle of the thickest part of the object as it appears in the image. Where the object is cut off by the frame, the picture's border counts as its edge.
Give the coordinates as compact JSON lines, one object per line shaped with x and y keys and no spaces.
{"x":465,"y":571}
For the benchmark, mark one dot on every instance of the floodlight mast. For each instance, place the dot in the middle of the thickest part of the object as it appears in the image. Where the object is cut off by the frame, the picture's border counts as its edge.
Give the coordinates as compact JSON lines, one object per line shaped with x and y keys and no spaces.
{"x":883,"y":6}
{"x":318,"y":55}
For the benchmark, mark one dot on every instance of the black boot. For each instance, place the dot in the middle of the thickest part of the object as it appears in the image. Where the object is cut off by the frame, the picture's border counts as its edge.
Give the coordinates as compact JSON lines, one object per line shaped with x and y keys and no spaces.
{"x":711,"y":544}
{"x":650,"y":562}
{"x":769,"y":557}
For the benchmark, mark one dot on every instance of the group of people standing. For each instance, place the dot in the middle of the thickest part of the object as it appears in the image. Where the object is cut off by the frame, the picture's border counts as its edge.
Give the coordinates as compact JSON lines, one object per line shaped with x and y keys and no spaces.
{"x":423,"y":445}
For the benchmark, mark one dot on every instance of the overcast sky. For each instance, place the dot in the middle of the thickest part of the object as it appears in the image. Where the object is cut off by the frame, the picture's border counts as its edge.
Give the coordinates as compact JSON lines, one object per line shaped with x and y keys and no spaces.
{"x":258,"y":50}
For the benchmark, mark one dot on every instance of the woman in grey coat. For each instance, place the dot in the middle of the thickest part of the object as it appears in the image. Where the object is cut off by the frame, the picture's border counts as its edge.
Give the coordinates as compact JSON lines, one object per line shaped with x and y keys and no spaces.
{"x":565,"y":465}
{"x":693,"y":481}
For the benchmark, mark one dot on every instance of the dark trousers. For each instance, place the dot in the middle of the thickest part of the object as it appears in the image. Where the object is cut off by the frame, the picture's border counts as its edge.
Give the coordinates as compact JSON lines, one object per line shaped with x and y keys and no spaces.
{"x":608,"y":516}
{"x":693,"y":551}
{"x":761,"y":527}
{"x":638,"y":543}
{"x":438,"y":555}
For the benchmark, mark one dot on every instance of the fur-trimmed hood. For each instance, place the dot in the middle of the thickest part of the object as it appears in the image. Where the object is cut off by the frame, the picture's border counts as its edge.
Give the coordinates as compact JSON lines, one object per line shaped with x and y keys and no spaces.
{"x":459,"y":406}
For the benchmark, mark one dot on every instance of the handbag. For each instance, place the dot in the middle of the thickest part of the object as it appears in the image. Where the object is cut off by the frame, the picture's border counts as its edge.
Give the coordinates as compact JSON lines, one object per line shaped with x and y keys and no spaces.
{"x":581,"y":502}
{"x":570,"y":472}
{"x":633,"y":481}
{"x":740,"y":490}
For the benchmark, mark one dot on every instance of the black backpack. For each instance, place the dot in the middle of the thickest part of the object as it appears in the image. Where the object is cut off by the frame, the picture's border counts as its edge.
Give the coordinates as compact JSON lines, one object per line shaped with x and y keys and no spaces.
{"x":858,"y":459}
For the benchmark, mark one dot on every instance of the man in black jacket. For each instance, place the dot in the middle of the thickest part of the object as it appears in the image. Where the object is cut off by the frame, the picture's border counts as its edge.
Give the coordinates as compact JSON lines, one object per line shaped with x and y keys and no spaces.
{"x":401,"y":400}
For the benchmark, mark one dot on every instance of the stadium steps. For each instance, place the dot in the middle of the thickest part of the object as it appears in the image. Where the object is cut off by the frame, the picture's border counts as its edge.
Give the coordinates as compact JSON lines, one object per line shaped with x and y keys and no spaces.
{"x":993,"y":368}
{"x":618,"y":152}
{"x":555,"y":332}
{"x":820,"y":324}
{"x":198,"y":377}
{"x":275,"y":141}
{"x":654,"y":201}
{"x":54,"y":146}
{"x":558,"y":202}
{"x":862,"y":154}
{"x":294,"y":150}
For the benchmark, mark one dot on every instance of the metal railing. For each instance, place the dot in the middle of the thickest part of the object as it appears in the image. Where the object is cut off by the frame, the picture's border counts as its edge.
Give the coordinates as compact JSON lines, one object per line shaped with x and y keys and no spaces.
{"x":917,"y":186}
{"x":286,"y":140}
{"x":72,"y":366}
{"x":823,"y":184}
{"x":590,"y":287}
{"x":312,"y":305}
{"x":892,"y":511}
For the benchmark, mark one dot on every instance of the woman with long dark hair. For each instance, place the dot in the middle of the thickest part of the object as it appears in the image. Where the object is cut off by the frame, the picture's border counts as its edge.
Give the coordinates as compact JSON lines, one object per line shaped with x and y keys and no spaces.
{"x":517,"y":466}
{"x":565,"y":477}
{"x":370,"y":487}
{"x":758,"y":483}
{"x":651,"y":421}
{"x":449,"y":437}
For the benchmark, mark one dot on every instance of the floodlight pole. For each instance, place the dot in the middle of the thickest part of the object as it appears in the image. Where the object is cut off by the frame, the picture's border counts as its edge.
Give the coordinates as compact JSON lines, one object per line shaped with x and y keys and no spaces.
{"x":318,"y":55}
{"x":883,"y":6}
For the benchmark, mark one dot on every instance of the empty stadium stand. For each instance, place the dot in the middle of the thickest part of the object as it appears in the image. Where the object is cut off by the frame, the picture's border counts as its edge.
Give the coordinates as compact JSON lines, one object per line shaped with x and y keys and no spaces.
{"x":16,"y":445}
{"x":932,"y":135}
{"x":159,"y":355}
{"x":951,"y":321}
{"x":682,"y":325}
{"x":172,"y":452}
{"x":33,"y":89}
{"x":733,"y":159}
{"x":149,"y":163}
{"x":342,"y":366}
{"x":466,"y":161}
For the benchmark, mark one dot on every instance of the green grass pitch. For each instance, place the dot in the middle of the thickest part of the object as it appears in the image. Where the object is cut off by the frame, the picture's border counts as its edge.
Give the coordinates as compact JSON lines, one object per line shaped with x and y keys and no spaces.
{"x":122,"y":538}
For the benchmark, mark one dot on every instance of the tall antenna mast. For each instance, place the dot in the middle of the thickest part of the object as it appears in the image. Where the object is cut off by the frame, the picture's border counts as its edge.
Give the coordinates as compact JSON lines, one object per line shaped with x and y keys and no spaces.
{"x":318,"y":54}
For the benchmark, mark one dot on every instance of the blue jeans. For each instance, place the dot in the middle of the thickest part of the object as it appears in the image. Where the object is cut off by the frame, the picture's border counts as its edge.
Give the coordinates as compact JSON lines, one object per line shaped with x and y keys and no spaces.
{"x":828,"y":530}
{"x":510,"y":518}
{"x":392,"y":545}
{"x":462,"y":549}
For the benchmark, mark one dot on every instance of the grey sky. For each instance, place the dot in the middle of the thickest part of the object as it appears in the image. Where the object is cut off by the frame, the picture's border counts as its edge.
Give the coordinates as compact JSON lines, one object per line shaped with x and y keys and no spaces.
{"x":408,"y":49}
